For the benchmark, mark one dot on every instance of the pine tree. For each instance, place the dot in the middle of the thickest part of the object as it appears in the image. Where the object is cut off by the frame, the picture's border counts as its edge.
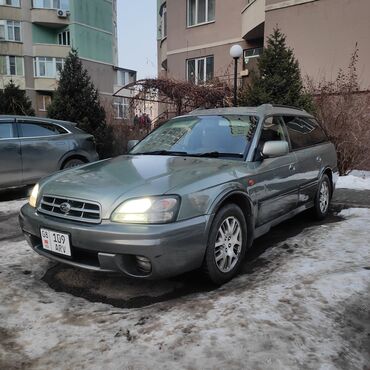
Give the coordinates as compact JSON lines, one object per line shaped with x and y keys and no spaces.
{"x":13,"y":100}
{"x":278,"y":80}
{"x":77,"y":100}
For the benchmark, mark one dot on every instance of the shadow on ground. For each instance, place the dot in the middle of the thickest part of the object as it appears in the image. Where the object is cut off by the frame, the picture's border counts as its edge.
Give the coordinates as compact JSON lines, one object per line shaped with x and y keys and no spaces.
{"x":122,"y":292}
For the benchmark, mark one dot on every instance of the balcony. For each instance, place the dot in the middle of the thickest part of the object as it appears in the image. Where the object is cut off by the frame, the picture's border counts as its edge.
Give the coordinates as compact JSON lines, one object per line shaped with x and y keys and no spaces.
{"x":11,"y":48}
{"x":18,"y":80}
{"x":253,"y":19}
{"x":48,"y":18}
{"x":51,"y":50}
{"x":45,"y":84}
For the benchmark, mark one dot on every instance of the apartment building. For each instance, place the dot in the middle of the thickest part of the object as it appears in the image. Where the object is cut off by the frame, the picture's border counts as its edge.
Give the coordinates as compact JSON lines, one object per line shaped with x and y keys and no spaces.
{"x":195,"y":36}
{"x":37,"y":35}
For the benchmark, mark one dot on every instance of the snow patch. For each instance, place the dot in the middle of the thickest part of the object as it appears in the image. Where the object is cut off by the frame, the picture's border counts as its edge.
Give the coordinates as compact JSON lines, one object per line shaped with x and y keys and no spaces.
{"x":357,"y":180}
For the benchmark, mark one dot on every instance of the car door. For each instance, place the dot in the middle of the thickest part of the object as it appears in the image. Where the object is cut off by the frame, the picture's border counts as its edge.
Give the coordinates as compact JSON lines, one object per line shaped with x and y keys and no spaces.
{"x":10,"y":154}
{"x":278,"y":175}
{"x":307,"y":139}
{"x":42,"y":144}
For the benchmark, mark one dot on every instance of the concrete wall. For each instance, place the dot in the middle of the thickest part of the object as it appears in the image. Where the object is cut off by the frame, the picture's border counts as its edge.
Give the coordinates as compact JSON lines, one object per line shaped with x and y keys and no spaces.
{"x":323,"y":34}
{"x":214,"y":38}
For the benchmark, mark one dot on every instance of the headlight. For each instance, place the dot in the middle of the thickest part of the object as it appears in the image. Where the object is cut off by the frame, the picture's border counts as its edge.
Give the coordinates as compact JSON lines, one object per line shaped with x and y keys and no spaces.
{"x":151,"y":210}
{"x":34,"y":194}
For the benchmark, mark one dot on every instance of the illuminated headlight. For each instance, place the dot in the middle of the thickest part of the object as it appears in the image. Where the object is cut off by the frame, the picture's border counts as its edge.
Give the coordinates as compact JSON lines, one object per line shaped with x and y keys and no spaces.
{"x":34,"y":194}
{"x":155,"y":210}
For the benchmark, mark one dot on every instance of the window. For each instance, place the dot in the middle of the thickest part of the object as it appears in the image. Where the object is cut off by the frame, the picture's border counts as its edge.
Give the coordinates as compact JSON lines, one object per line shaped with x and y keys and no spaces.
{"x":272,"y":130}
{"x":10,"y":31}
{"x":163,"y":14}
{"x":200,"y":11}
{"x":230,"y":136}
{"x":304,"y":132}
{"x":48,"y":67}
{"x":64,"y":38}
{"x":6,"y":130}
{"x":39,"y":129}
{"x":121,"y":109}
{"x":43,"y":102}
{"x":15,"y":3}
{"x":11,"y":65}
{"x":200,"y":70}
{"x":51,"y":4}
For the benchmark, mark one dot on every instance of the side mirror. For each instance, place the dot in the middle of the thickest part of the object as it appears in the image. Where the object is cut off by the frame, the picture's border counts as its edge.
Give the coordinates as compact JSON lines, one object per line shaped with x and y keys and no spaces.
{"x":273,"y":149}
{"x":131,"y":144}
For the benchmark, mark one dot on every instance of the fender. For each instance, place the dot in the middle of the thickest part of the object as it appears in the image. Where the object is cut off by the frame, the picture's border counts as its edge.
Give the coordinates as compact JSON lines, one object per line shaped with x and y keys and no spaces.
{"x":234,"y":189}
{"x":71,"y":153}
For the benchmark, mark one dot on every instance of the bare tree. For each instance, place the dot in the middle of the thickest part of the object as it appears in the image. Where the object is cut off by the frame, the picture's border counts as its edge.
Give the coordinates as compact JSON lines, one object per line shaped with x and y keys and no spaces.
{"x":344,"y":113}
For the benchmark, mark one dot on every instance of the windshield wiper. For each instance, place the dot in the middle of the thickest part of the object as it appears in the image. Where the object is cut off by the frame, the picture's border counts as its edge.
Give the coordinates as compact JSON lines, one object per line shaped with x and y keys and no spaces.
{"x":162,"y":152}
{"x":217,"y":155}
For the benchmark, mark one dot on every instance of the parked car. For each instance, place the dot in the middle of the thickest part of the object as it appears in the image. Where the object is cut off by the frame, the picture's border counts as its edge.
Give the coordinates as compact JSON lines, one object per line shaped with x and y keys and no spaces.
{"x":31,"y":148}
{"x":193,"y":194}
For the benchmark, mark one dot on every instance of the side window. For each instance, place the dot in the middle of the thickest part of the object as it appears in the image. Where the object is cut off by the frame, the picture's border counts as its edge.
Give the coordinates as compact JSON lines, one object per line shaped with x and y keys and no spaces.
{"x":304,"y":132}
{"x":39,"y":129}
{"x":272,"y":130}
{"x":6,"y":130}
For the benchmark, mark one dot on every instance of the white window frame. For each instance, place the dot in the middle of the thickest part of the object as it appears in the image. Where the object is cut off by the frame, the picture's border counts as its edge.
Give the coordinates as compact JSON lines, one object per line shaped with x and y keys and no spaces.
{"x":54,"y":4}
{"x":13,"y":3}
{"x":121,"y":107}
{"x":55,"y":72}
{"x":44,"y":106}
{"x":67,"y":35}
{"x":196,"y":80}
{"x":164,"y":22}
{"x":6,"y":24}
{"x":188,"y":21}
{"x":7,"y":64}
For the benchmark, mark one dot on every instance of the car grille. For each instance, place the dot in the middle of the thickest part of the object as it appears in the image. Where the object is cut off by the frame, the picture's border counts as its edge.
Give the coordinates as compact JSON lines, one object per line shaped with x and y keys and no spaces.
{"x":77,"y":210}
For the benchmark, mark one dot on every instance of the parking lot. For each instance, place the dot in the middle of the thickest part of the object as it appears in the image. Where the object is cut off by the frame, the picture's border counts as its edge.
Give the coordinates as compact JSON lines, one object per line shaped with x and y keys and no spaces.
{"x":302,"y":301}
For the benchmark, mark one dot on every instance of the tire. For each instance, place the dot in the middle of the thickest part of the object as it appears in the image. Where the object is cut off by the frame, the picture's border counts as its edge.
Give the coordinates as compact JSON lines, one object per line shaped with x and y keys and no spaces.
{"x":322,"y":198}
{"x":74,"y":162}
{"x":223,"y":260}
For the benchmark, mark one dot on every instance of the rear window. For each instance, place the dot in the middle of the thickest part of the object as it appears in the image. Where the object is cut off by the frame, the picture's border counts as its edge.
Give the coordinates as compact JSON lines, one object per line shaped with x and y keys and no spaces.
{"x":304,"y":132}
{"x":39,"y":129}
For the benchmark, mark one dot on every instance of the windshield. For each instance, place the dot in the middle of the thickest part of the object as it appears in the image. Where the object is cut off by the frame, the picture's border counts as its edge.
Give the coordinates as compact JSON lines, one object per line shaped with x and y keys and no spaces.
{"x":213,"y":136}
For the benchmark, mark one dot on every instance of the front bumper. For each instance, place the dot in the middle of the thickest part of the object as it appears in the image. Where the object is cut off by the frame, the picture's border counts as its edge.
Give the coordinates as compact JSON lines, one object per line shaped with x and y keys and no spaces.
{"x":171,"y":248}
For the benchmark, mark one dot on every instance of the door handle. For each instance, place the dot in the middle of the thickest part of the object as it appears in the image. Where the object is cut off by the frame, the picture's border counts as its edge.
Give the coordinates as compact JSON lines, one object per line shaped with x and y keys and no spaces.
{"x":292,"y":167}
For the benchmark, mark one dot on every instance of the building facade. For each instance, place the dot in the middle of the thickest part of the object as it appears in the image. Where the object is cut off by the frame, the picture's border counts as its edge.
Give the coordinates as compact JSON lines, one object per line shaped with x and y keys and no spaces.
{"x":37,"y":35}
{"x":195,"y":36}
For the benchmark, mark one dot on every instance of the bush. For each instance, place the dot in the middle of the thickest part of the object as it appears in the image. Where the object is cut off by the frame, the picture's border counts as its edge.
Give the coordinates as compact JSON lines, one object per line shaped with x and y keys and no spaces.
{"x":13,"y":100}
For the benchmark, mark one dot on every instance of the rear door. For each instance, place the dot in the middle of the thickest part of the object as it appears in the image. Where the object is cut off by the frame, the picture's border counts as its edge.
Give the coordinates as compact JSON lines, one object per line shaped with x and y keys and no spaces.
{"x":10,"y":155}
{"x":277,"y":174}
{"x":308,"y":143}
{"x":42,"y":144}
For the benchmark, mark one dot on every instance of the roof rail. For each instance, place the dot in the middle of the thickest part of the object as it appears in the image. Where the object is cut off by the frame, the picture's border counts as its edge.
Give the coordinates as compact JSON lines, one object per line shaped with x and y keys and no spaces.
{"x":287,"y":106}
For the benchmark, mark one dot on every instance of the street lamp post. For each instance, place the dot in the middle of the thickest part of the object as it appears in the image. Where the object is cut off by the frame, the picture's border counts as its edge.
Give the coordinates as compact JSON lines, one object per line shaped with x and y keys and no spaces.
{"x":236,"y":51}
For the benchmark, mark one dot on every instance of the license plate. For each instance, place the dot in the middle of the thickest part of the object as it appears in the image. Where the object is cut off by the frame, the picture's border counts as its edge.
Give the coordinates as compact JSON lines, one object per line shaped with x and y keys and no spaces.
{"x":56,"y":242}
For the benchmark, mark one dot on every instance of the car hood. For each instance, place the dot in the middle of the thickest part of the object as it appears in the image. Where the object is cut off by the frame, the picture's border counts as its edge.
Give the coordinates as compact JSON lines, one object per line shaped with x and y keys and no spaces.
{"x":112,"y":181}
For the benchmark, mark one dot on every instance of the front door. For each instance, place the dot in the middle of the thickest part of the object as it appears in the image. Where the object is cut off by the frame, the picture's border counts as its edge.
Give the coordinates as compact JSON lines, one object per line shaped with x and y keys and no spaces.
{"x":278,"y":175}
{"x":10,"y":155}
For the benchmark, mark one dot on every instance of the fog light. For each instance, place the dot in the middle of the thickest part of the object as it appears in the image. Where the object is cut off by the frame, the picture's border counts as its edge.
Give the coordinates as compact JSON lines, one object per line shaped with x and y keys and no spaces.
{"x":143,"y":264}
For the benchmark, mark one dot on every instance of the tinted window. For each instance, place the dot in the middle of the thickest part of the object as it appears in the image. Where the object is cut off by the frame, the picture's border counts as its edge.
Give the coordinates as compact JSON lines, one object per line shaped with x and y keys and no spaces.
{"x":304,"y":132}
{"x":37,"y":129}
{"x":6,"y":130}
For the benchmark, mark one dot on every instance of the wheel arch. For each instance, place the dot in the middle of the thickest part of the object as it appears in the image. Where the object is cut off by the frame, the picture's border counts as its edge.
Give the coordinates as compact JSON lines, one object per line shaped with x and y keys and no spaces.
{"x":71,"y":156}
{"x":329,"y":172}
{"x":243,"y":201}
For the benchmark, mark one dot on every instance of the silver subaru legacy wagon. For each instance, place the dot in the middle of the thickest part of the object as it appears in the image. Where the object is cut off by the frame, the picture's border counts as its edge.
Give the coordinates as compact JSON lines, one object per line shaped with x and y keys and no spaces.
{"x":193,"y":194}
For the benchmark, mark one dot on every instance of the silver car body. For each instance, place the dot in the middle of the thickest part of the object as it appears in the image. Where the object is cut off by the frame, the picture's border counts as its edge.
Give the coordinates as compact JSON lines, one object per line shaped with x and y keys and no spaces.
{"x":268,"y":191}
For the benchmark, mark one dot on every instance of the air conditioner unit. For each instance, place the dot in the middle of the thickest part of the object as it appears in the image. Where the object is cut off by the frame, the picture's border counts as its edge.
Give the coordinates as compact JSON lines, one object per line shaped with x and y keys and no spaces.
{"x":62,"y":13}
